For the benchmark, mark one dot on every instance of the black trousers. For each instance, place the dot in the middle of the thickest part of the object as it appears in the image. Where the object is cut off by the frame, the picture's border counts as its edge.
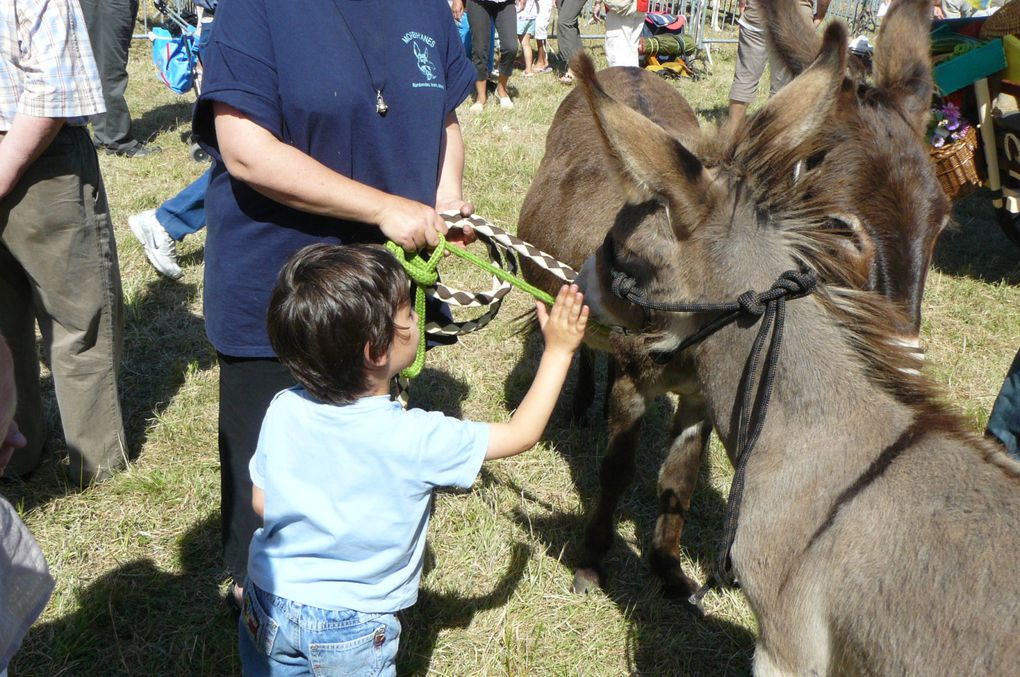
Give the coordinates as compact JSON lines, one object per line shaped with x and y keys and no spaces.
{"x":109,"y":24}
{"x":247,"y":386}
{"x":481,"y":16}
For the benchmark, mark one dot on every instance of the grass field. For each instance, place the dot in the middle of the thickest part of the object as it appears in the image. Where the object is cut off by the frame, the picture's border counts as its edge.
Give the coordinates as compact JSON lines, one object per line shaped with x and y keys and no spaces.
{"x":136,"y":559}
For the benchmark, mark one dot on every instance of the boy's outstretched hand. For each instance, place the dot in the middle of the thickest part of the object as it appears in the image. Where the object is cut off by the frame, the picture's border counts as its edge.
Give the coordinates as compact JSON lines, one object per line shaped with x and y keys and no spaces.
{"x":563,"y":326}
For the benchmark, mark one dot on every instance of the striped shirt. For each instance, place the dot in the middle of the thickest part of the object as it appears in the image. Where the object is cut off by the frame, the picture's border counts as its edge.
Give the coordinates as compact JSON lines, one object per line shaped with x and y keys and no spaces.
{"x":46,"y":64}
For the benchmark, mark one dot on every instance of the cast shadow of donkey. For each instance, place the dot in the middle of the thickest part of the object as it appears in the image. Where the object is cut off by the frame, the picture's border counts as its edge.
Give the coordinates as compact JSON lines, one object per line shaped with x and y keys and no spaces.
{"x":858,"y":154}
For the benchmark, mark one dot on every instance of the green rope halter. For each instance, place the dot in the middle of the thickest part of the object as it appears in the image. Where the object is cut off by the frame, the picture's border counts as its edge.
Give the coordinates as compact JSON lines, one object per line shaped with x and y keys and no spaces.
{"x":423,"y":272}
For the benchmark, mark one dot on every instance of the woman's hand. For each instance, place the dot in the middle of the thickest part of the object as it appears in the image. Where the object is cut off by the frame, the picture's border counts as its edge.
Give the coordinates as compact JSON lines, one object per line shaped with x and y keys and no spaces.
{"x":465,"y":234}
{"x":410,"y":224}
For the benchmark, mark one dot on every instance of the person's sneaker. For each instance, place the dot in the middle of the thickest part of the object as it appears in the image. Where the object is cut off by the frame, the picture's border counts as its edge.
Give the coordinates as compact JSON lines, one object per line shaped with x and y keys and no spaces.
{"x":476,"y":107}
{"x":160,"y":248}
{"x":505,"y":102}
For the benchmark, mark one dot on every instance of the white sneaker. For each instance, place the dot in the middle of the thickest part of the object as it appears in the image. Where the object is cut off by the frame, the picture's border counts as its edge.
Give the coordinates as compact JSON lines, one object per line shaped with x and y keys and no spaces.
{"x":160,"y":248}
{"x":476,"y":107}
{"x":505,"y":102}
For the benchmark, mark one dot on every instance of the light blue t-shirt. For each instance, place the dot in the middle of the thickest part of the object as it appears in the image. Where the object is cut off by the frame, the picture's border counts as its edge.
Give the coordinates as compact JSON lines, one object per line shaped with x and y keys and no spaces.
{"x":347,"y":492}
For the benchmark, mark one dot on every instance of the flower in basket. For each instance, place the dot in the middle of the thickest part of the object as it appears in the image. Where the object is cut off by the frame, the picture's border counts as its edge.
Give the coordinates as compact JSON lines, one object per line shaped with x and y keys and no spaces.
{"x":947,"y":125}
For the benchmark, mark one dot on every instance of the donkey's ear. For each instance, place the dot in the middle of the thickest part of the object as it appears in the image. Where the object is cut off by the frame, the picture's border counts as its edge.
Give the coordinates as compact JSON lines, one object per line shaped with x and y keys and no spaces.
{"x":799,"y":112}
{"x":902,"y":63}
{"x":651,"y":163}
{"x":791,"y":34}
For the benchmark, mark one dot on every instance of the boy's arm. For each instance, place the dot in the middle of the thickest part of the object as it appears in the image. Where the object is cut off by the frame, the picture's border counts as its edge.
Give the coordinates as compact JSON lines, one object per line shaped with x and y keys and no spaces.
{"x":258,"y":500}
{"x":563,"y":327}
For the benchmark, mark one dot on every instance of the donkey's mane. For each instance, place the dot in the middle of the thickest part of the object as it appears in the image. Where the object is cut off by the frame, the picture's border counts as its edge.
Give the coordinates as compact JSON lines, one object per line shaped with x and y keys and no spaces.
{"x":801,"y":211}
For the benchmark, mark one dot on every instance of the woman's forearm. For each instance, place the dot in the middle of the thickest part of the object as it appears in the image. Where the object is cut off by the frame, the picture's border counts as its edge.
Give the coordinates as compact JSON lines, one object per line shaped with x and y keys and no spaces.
{"x":288,"y":176}
{"x":451,"y":168}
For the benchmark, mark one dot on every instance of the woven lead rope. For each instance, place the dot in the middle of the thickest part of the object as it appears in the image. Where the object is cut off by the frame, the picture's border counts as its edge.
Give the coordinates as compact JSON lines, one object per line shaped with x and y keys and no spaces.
{"x":503,"y":249}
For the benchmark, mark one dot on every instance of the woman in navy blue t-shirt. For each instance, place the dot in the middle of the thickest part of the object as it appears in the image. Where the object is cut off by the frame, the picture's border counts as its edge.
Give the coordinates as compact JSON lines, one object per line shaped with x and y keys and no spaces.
{"x":328,"y":121}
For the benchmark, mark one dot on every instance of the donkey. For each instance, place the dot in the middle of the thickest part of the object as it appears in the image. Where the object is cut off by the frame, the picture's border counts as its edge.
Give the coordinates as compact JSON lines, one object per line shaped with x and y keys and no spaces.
{"x":875,"y":533}
{"x":868,"y":166}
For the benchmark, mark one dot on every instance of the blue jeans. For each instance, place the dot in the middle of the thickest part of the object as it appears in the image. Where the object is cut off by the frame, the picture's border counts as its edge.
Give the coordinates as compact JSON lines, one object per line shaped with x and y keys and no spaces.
{"x":284,"y":638}
{"x":1004,"y":422}
{"x":184,"y":213}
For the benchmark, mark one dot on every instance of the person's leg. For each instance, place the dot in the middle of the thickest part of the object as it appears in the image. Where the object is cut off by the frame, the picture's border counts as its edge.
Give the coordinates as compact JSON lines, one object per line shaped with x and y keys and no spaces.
{"x":17,"y":324}
{"x":525,"y":42}
{"x":66,"y":244}
{"x":158,"y":230}
{"x":480,"y":22}
{"x":617,"y":44}
{"x":184,"y":213}
{"x":110,"y":24}
{"x":542,"y":33}
{"x":568,"y":36}
{"x":780,"y":74}
{"x":506,"y":26}
{"x":247,"y":386}
{"x":1004,"y":421}
{"x":751,"y":58}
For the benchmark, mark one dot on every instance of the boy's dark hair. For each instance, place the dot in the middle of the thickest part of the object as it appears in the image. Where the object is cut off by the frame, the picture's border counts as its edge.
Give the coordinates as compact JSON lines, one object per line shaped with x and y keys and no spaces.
{"x":328,"y":303}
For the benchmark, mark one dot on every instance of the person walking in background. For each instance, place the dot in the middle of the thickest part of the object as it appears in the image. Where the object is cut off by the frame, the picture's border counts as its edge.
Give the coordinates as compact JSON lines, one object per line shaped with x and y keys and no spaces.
{"x":110,"y":24}
{"x":624,"y":22}
{"x":482,"y":15}
{"x":159,"y":230}
{"x":58,"y":256}
{"x":753,"y":54}
{"x":542,"y":18}
{"x":303,"y":153}
{"x":568,"y":34}
{"x":526,"y":16}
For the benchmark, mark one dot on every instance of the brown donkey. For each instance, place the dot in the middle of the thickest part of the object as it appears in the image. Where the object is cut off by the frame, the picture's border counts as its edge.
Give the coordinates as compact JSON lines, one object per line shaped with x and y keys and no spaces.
{"x":865,"y":165}
{"x":875,"y":534}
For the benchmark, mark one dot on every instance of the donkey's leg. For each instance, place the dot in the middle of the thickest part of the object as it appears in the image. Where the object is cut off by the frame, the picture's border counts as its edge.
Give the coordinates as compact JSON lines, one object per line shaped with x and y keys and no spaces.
{"x":677,"y":478}
{"x":626,"y":408}
{"x":584,"y":391}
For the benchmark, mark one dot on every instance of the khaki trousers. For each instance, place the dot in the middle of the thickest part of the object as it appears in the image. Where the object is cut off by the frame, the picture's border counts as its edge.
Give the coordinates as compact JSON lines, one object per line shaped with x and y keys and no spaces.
{"x":58,"y":267}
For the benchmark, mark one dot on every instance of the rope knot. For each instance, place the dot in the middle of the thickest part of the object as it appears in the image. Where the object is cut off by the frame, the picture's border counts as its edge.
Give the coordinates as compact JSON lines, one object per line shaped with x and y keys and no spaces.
{"x":624,"y":286}
{"x":796,"y":283}
{"x":750,"y":303}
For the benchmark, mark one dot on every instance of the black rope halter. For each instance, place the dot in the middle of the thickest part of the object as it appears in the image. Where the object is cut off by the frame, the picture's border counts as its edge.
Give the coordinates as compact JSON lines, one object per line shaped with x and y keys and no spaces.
{"x":770,"y":305}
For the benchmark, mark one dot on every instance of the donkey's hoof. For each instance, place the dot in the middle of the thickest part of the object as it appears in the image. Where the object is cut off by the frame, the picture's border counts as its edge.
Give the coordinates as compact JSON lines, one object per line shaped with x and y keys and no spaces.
{"x":585,"y":581}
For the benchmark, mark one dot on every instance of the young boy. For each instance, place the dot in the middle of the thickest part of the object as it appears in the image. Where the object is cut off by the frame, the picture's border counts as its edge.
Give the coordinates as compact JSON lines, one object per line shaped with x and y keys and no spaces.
{"x":343,"y":476}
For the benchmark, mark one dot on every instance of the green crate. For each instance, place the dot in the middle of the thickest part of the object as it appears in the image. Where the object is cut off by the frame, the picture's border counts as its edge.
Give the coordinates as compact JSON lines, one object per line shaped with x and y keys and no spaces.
{"x":963,"y":70}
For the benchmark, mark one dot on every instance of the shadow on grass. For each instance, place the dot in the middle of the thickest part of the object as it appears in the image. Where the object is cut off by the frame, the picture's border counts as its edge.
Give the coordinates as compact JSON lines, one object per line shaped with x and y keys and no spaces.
{"x":165,"y":116}
{"x":436,"y":612}
{"x":436,"y":390}
{"x":975,"y":246}
{"x":665,"y":636}
{"x":133,"y":615}
{"x":163,"y":342}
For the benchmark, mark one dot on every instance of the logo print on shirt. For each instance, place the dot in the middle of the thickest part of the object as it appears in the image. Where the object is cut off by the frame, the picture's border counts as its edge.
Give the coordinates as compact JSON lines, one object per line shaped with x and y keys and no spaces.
{"x":426,"y":66}
{"x":426,"y":55}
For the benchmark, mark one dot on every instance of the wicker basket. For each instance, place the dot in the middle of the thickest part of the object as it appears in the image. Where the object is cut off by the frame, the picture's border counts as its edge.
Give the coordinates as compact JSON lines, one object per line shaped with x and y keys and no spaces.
{"x":1006,"y":21}
{"x":956,"y":165}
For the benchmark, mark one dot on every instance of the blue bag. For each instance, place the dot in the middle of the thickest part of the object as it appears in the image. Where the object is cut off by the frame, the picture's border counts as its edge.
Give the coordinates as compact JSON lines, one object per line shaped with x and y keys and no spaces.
{"x":174,"y":58}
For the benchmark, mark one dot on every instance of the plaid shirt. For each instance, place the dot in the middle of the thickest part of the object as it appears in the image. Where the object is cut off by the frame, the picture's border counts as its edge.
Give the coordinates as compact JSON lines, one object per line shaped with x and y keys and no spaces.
{"x":46,"y":63}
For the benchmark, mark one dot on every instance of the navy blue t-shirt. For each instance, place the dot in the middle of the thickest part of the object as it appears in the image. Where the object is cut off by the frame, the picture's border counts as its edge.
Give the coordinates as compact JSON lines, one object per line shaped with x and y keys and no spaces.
{"x":308,"y":72}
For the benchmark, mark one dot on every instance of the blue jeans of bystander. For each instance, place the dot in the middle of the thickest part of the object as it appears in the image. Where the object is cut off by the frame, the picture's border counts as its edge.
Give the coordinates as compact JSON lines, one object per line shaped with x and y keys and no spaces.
{"x":283,"y":638}
{"x":184,"y":213}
